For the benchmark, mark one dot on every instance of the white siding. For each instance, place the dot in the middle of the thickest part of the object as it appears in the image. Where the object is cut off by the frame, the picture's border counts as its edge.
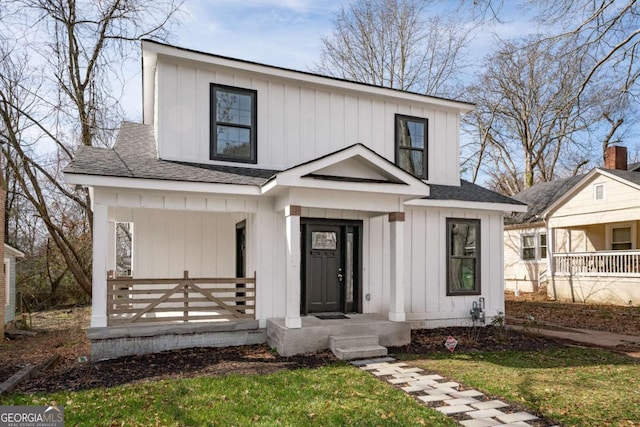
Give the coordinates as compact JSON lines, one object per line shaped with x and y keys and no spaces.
{"x":620,"y":203}
{"x":296,"y":122}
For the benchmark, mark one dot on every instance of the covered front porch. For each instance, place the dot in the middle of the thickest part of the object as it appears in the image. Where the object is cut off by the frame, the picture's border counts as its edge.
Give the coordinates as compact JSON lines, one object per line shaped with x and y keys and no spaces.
{"x":183,"y":268}
{"x":595,"y":263}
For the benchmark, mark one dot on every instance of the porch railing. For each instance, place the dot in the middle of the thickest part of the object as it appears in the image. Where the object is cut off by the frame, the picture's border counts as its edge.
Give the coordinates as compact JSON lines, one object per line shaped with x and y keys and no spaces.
{"x":611,"y":263}
{"x":137,"y":301}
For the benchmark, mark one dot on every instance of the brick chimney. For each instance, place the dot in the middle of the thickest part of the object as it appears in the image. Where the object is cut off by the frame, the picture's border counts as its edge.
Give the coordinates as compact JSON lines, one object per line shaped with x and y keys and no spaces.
{"x":616,"y":158}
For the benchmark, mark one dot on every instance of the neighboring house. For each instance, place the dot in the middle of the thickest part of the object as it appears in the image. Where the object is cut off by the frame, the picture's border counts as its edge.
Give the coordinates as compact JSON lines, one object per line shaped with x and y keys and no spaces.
{"x":580,"y":236}
{"x":10,"y":255}
{"x":255,"y":202}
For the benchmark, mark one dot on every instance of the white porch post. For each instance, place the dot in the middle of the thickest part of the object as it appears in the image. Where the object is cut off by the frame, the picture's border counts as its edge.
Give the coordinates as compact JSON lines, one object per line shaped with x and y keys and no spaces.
{"x":551,"y":262}
{"x":396,"y":302}
{"x":292,"y":309}
{"x":99,"y":275}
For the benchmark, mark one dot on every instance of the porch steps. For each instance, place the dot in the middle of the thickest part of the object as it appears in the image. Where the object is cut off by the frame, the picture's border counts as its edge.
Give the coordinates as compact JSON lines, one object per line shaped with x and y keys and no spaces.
{"x":347,"y":347}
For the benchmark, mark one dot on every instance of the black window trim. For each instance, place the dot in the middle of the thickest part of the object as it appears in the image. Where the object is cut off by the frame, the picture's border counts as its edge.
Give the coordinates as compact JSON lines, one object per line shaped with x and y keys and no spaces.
{"x":425,"y":149}
{"x":253,"y":128}
{"x":478,"y":288}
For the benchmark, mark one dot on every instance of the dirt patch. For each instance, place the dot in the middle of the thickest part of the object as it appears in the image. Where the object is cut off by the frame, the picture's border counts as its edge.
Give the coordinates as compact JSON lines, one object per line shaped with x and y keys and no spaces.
{"x":473,"y":340}
{"x":610,"y":318}
{"x":60,"y":332}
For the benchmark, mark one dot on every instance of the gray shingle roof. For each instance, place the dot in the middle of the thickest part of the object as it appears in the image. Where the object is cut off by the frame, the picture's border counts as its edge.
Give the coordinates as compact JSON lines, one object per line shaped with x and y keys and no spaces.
{"x":469,"y":192}
{"x":628,"y":175}
{"x":134,"y":155}
{"x":539,"y":197}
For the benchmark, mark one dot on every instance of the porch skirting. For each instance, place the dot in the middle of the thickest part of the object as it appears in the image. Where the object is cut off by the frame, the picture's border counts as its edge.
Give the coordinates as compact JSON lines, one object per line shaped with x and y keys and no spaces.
{"x":118,"y":341}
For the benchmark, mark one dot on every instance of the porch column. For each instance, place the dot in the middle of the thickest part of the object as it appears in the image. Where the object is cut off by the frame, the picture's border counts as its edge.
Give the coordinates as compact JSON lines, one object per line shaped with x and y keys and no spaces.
{"x":551,"y":261}
{"x":292,"y":308}
{"x":99,"y":275}
{"x":396,"y":301}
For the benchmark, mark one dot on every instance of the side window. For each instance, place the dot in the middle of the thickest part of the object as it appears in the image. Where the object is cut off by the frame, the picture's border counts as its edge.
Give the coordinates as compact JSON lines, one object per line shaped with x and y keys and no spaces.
{"x":411,"y":145}
{"x":124,"y":249}
{"x":528,"y":247}
{"x":463,"y":256}
{"x":233,"y":124}
{"x":542,"y":244}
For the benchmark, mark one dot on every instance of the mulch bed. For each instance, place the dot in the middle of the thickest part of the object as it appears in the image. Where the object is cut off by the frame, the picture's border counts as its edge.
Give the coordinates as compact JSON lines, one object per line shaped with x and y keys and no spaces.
{"x":255,"y":359}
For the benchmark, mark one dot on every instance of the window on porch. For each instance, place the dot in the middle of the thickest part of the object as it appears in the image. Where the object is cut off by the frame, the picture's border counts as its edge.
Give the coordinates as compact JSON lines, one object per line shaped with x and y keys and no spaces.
{"x":621,"y":238}
{"x":124,"y":249}
{"x":463,"y":256}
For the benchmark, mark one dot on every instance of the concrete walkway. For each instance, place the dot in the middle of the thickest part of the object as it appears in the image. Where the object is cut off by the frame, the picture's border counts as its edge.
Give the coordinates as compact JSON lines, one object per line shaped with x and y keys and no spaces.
{"x":580,"y":336}
{"x":474,"y":407}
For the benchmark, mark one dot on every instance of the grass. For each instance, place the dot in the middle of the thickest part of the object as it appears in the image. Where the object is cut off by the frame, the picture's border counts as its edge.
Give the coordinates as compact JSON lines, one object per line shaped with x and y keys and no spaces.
{"x":334,"y":395}
{"x":576,"y":386}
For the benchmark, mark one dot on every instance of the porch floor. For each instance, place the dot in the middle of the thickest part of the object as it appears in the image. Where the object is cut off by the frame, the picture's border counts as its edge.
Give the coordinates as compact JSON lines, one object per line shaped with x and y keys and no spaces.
{"x":314,"y":333}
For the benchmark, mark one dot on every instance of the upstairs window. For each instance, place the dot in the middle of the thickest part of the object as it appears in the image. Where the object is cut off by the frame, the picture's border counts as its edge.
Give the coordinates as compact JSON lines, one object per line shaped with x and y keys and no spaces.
{"x":233,"y":124}
{"x":463,"y":256}
{"x":598,"y":191}
{"x":411,"y":145}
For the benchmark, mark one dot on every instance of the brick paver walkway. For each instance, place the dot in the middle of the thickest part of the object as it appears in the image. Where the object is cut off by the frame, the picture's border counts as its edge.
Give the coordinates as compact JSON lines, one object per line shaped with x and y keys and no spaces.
{"x":477,"y":409}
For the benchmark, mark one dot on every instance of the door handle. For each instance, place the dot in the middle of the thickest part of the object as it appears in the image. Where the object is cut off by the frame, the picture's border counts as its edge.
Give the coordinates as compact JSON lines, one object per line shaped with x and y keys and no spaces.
{"x":340,"y":275}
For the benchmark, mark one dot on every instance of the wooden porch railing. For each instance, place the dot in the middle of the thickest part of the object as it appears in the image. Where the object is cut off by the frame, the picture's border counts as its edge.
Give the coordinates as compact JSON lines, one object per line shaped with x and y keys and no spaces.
{"x":610,"y":263}
{"x":179,"y":300}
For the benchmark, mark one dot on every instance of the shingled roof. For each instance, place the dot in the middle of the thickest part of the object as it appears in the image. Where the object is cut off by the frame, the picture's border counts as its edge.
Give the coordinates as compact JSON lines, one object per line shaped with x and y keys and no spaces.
{"x":469,"y":192}
{"x":134,"y":155}
{"x":538,"y":198}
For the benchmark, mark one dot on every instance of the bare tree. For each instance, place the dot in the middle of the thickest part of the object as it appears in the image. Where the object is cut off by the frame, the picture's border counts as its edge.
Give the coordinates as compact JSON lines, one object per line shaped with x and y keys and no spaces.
{"x":607,"y":32}
{"x":394,"y":43}
{"x":528,"y":117}
{"x":61,"y":98}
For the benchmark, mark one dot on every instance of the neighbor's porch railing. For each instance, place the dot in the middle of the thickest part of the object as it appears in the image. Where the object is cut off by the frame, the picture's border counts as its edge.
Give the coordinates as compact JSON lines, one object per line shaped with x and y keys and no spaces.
{"x":610,"y":263}
{"x":179,"y":300}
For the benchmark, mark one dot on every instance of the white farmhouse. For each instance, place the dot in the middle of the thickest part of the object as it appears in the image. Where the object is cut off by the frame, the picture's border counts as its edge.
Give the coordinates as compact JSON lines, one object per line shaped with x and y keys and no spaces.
{"x":256,"y":203}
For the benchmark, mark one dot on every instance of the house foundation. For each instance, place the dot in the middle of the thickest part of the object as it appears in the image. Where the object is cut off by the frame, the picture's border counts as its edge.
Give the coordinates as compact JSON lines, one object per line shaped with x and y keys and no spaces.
{"x":114,"y":342}
{"x":314,"y":333}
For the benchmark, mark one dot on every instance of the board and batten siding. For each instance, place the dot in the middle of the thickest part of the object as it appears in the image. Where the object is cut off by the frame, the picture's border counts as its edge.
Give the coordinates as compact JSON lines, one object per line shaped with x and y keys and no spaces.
{"x":297,"y":122}
{"x":426,"y":302}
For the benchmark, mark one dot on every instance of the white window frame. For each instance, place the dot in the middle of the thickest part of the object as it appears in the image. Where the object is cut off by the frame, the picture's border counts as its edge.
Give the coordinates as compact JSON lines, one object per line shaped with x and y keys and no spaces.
{"x":595,"y":190}
{"x":612,"y":226}
{"x":536,"y":246}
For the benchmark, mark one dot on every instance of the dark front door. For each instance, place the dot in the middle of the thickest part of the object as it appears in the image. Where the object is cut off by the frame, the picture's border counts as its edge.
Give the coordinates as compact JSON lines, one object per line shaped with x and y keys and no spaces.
{"x":331,"y":261}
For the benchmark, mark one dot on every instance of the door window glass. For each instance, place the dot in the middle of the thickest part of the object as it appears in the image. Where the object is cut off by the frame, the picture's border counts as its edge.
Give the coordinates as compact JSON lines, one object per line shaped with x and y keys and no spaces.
{"x":323,"y":240}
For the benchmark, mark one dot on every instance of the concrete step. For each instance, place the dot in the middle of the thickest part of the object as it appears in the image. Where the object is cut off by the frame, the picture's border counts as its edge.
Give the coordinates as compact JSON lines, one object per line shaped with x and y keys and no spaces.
{"x":356,"y":347}
{"x":363,"y":352}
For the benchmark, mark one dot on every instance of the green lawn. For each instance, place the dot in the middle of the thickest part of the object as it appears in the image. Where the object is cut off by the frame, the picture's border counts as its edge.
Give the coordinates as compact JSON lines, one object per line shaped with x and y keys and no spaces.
{"x":581,"y":387}
{"x":328,"y":396}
